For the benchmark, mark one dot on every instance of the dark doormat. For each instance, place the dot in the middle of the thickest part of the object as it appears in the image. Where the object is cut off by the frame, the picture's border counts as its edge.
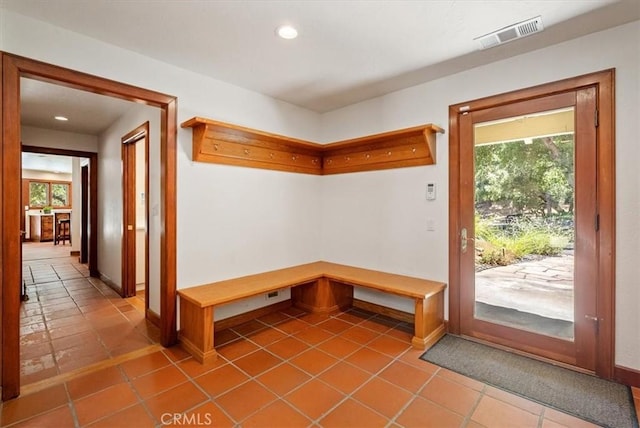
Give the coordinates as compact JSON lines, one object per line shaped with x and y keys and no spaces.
{"x":599,"y":401}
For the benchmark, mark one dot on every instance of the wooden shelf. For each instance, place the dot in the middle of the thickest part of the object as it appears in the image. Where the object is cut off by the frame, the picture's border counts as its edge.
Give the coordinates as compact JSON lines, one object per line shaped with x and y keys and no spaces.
{"x":397,"y":149}
{"x":218,"y":142}
{"x":223,"y":143}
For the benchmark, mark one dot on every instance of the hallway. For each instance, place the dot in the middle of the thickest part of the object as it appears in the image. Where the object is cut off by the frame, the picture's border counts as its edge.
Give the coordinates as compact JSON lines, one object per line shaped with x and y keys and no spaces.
{"x":71,"y":320}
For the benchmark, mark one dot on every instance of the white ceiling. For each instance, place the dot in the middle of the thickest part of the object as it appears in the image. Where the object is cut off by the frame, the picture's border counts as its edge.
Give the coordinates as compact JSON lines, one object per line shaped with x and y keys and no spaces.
{"x":347,"y":51}
{"x":50,"y":163}
{"x":88,"y":113}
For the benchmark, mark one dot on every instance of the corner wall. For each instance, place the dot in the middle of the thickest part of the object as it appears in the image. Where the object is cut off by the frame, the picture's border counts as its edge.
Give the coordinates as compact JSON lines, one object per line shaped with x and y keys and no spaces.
{"x":382,"y":218}
{"x":235,"y":221}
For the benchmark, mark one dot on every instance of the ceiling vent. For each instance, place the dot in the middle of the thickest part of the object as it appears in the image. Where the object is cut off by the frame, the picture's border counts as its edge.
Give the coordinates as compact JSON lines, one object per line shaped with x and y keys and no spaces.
{"x":512,"y":32}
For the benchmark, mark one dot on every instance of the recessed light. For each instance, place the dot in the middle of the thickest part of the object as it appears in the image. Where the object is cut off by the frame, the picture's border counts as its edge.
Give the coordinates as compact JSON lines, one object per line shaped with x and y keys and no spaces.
{"x":61,"y":118}
{"x":287,"y":32}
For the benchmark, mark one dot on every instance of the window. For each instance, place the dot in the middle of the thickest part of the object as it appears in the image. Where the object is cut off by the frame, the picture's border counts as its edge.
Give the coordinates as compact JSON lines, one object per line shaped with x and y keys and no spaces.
{"x":49,"y":193}
{"x":60,"y":195}
{"x":38,"y":194}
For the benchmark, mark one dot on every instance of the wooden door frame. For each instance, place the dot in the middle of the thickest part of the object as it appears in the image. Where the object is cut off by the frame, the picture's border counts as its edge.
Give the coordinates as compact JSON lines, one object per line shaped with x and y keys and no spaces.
{"x":84,"y":208}
{"x":13,"y":68}
{"x":129,"y":166}
{"x":604,"y":82}
{"x":93,"y":197}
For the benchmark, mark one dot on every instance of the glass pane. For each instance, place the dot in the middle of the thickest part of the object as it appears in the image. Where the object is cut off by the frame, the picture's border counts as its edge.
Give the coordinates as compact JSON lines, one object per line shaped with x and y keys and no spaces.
{"x":524,"y":222}
{"x":59,"y":195}
{"x":38,"y":194}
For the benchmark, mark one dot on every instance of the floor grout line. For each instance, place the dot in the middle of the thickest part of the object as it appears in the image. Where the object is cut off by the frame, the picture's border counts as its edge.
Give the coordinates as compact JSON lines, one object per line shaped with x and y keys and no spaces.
{"x":66,"y":377}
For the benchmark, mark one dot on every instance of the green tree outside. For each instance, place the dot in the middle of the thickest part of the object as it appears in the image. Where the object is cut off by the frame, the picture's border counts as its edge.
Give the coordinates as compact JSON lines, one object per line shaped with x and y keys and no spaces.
{"x":524,"y":198}
{"x":519,"y":178}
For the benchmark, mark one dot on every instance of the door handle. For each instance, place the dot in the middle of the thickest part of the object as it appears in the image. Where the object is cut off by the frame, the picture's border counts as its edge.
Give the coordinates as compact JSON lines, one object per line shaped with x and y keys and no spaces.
{"x":23,"y":232}
{"x":463,"y":240}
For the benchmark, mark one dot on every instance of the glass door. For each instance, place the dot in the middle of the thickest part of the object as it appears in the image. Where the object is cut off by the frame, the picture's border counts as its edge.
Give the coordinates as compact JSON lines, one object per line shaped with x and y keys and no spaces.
{"x":528,"y":241}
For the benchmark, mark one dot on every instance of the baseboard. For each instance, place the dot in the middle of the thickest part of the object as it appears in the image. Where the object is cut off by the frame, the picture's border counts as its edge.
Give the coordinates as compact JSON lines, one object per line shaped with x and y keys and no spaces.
{"x":314,"y":310}
{"x":248,"y":316}
{"x":74,"y":253}
{"x":430,"y":340}
{"x":153,"y":317}
{"x":627,"y":376}
{"x":110,"y":283}
{"x":383,"y":310}
{"x":198,"y":355}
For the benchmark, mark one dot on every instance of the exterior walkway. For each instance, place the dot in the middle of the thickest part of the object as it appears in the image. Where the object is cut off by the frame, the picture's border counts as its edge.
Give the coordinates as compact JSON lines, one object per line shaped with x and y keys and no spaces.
{"x":542,"y":287}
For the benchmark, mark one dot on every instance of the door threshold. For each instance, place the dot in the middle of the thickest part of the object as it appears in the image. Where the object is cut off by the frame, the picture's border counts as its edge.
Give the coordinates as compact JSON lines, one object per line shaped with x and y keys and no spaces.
{"x":527,"y":354}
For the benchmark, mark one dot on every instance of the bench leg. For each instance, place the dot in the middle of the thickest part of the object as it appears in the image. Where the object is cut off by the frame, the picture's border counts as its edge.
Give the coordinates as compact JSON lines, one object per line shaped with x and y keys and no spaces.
{"x":429,"y":321}
{"x":196,"y":331}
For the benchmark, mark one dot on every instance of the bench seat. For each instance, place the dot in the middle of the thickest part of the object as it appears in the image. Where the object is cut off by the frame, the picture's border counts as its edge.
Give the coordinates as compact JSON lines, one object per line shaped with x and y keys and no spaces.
{"x":315,"y":287}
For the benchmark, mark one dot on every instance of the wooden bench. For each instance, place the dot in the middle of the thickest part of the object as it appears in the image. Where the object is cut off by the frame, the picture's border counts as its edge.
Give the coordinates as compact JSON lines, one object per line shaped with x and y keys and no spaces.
{"x":318,"y":287}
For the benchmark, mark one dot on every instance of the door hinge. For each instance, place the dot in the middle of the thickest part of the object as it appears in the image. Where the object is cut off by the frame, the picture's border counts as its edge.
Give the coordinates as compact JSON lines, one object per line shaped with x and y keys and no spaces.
{"x":597,"y":222}
{"x":596,"y":118}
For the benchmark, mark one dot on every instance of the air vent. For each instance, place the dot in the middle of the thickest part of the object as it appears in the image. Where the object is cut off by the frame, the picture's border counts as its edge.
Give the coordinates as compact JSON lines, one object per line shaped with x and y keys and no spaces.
{"x":512,"y":32}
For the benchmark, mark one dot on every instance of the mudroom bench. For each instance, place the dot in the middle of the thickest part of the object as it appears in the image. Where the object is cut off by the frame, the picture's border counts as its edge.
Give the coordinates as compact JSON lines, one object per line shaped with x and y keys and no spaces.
{"x":318,"y":287}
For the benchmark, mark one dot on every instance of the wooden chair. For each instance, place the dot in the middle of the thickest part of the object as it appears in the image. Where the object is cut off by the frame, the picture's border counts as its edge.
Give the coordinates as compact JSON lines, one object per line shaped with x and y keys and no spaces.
{"x":62,"y":228}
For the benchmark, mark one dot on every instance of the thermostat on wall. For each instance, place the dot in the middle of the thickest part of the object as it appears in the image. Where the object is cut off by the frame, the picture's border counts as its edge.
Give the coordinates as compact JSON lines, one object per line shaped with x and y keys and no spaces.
{"x":431,"y":191}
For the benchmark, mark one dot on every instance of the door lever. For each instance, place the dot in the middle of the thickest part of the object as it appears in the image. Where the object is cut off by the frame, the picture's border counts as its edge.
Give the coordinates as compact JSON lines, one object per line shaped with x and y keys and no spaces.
{"x":463,"y":240}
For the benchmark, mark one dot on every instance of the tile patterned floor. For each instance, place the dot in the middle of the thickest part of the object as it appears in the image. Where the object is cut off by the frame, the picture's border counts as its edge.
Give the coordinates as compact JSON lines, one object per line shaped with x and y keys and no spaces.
{"x":71,"y":320}
{"x":286,"y":369}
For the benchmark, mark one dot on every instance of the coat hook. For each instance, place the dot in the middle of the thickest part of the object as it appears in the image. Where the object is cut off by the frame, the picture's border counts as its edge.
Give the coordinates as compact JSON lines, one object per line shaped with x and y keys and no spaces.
{"x":367,"y":156}
{"x":389,"y":153}
{"x":413,"y":149}
{"x":294,"y":157}
{"x":347,"y":158}
{"x":215,"y":147}
{"x":246,"y":151}
{"x":271,"y":155}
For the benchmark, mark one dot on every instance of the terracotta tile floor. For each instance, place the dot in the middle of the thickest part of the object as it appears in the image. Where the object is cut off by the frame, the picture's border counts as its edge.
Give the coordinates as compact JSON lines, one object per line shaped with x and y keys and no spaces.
{"x":287,"y":369}
{"x":70,"y":320}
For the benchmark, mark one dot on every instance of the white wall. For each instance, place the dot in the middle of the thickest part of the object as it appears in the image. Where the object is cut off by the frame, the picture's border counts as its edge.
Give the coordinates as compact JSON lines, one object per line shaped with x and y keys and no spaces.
{"x":32,"y":136}
{"x":46,"y":175}
{"x":141,"y":218}
{"x":245,"y":244}
{"x":382,"y":218}
{"x":235,"y":221}
{"x":110,"y":197}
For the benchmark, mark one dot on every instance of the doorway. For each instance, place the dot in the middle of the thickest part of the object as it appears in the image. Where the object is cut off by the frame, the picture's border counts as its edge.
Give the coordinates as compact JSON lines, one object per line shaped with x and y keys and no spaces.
{"x":88,"y":218}
{"x":13,"y":68}
{"x":531,"y":254}
{"x":135,"y":218}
